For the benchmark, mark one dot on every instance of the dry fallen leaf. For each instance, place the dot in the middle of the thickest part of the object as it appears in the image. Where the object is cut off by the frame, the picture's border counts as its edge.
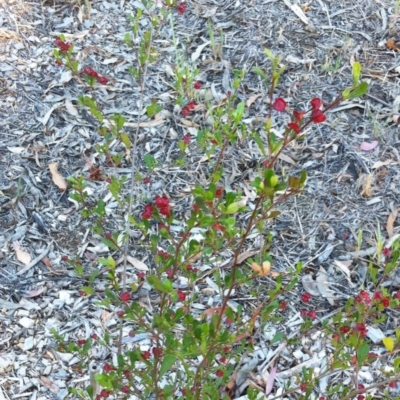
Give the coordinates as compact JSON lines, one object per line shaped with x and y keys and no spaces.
{"x":140,"y":265}
{"x":23,"y":256}
{"x":49,"y":384}
{"x":366,"y":181}
{"x":262,"y":271}
{"x":379,"y":164}
{"x":392,"y":45}
{"x":323,"y":286}
{"x":252,"y":99}
{"x":390,"y":222}
{"x":58,"y":179}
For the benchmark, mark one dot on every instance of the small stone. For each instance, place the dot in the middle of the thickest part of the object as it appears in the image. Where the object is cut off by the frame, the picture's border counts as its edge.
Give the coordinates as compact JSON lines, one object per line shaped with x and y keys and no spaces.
{"x":26,"y":322}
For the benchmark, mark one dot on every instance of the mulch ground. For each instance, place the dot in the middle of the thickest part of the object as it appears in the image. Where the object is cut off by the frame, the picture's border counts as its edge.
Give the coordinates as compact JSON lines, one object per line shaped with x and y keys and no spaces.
{"x":348,"y":189}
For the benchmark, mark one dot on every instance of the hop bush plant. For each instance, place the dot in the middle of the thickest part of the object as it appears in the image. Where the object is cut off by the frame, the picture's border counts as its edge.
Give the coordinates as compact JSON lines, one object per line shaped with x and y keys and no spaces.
{"x":188,"y":354}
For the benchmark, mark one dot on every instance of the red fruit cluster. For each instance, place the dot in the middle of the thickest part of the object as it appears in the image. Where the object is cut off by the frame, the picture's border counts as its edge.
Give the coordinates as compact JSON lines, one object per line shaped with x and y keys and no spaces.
{"x":63,"y":46}
{"x":363,"y":298}
{"x":361,"y":329}
{"x":189,"y":107}
{"x":162,"y":203}
{"x":317,"y":116}
{"x":186,"y":139}
{"x":89,"y":71}
{"x":157,"y":352}
{"x":163,"y":253}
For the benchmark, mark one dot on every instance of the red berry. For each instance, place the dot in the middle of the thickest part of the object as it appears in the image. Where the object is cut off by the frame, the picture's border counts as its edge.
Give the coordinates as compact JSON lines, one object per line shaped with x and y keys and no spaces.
{"x":120,"y":313}
{"x":385,"y":302}
{"x":345,"y":329}
{"x":148,"y":211}
{"x":318,"y":116}
{"x":94,"y":336}
{"x":298,"y":116}
{"x":90,"y":72}
{"x":125,"y":297}
{"x":219,"y":373}
{"x":157,"y":352}
{"x":181,"y":8}
{"x":181,"y":295}
{"x":81,"y":342}
{"x":306,"y":297}
{"x":294,"y":126}
{"x":197,"y":85}
{"x":102,"y":80}
{"x":125,"y":389}
{"x":186,"y":139}
{"x":146,"y":180}
{"x":386,"y":252}
{"x":393,"y":384}
{"x":283,"y":305}
{"x":316,"y":103}
{"x":312,"y":314}
{"x":303,"y":387}
{"x":64,"y":258}
{"x":279,"y":104}
{"x":218,"y":192}
{"x":145,"y":355}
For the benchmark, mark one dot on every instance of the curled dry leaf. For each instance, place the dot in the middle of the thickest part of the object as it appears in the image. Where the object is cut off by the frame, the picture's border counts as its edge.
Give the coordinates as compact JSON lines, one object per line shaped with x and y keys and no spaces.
{"x":323,"y":286}
{"x":252,"y":99}
{"x":22,"y":256}
{"x":310,"y":285}
{"x":58,"y":179}
{"x":261,"y":271}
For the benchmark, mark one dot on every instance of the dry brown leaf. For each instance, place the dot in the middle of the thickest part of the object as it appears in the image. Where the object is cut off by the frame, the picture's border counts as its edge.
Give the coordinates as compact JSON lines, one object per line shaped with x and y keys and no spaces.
{"x":252,"y":99}
{"x":286,"y":158}
{"x":262,"y":271}
{"x":140,"y":265}
{"x":212,"y":311}
{"x":392,"y":45}
{"x":58,"y":179}
{"x":22,"y":256}
{"x":49,"y":384}
{"x":379,"y":164}
{"x":367,"y":186}
{"x":390,"y":222}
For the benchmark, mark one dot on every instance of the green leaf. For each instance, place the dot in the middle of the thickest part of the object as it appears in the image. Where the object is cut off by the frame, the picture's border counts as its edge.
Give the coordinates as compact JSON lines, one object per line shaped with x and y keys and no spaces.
{"x":360,"y":90}
{"x":232,"y":208}
{"x":259,"y":72}
{"x":356,"y":73}
{"x":346,"y":93}
{"x":149,"y":161}
{"x":168,"y":361}
{"x":156,"y":283}
{"x":110,"y":244}
{"x":125,"y":140}
{"x":294,"y":182}
{"x":259,"y":143}
{"x":206,"y":221}
{"x":277,"y":338}
{"x":303,"y":176}
{"x":362,"y":353}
